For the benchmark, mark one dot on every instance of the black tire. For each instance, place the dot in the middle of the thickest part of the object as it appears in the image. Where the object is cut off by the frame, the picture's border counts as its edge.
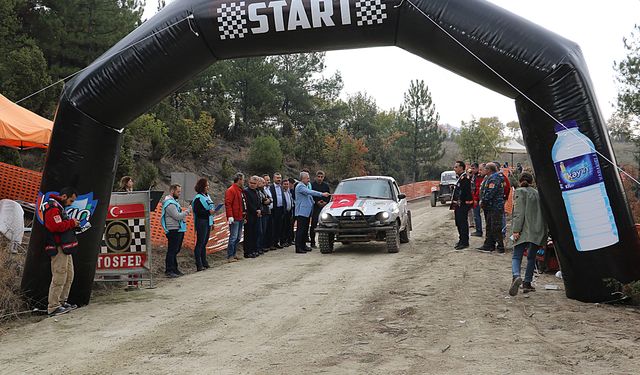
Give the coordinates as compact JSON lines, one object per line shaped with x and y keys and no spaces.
{"x":434,"y":199}
{"x":393,"y":239}
{"x":443,"y":201}
{"x":404,"y":235}
{"x":325,"y":240}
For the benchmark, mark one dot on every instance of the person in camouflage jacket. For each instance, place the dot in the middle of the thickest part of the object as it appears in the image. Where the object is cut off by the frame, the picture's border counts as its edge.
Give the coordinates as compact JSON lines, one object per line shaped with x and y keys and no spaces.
{"x":492,"y":202}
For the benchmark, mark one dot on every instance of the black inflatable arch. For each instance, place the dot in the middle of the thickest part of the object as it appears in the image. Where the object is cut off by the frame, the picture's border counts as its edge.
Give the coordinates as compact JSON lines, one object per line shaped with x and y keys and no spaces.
{"x":116,"y":88}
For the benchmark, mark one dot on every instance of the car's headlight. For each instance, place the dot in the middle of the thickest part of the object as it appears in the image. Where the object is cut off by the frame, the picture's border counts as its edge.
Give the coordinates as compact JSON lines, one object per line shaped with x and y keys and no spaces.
{"x":383,"y":216}
{"x":326,"y":216}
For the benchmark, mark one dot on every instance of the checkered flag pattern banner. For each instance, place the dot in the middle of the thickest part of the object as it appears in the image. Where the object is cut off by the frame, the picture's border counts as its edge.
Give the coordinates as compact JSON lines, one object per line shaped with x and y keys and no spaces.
{"x":138,"y":236}
{"x":370,"y":12}
{"x":232,"y":20}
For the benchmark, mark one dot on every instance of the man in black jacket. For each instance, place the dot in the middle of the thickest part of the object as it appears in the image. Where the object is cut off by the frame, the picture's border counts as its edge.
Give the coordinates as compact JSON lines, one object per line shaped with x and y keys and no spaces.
{"x":319,"y":203}
{"x":461,"y":202}
{"x":254,"y":213}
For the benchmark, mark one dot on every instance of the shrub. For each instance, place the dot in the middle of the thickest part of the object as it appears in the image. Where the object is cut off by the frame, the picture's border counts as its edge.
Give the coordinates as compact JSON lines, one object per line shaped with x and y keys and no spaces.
{"x":265,"y":155}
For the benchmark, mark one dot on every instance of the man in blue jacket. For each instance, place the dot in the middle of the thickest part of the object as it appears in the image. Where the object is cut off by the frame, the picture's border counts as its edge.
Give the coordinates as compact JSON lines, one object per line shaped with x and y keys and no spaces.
{"x":304,"y":207}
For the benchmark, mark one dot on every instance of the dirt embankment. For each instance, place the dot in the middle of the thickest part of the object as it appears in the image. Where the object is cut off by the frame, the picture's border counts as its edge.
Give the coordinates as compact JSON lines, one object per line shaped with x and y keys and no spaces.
{"x":428,"y":309}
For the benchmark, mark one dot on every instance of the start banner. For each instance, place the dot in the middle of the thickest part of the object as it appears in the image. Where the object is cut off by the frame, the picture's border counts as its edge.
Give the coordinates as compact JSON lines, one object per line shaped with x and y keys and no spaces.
{"x":125,"y":248}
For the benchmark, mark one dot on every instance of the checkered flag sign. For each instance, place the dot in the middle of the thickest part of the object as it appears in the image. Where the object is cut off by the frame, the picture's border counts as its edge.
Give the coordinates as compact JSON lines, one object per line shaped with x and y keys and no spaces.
{"x":370,"y":12}
{"x":232,"y":20}
{"x":134,"y":235}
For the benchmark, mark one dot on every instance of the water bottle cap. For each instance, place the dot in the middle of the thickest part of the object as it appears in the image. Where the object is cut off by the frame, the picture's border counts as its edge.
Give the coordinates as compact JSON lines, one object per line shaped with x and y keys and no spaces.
{"x":567,"y":125}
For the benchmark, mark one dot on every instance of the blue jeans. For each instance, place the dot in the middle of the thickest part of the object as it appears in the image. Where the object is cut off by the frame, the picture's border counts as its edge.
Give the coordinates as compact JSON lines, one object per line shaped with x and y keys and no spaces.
{"x":516,"y":260}
{"x":235,"y":232}
{"x":477,"y":218}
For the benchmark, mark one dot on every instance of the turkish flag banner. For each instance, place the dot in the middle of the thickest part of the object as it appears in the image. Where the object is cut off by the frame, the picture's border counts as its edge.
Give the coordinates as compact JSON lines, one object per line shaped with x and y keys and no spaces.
{"x":343,"y":200}
{"x":126,"y":211}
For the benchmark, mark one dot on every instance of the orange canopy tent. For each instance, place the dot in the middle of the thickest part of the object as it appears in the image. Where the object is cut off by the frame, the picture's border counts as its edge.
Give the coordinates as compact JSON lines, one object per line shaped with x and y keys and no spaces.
{"x":21,"y":128}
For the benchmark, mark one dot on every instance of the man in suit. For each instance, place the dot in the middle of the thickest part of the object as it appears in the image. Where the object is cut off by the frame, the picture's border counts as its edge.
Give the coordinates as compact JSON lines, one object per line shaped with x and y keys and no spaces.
{"x":253,"y":213}
{"x":286,"y":235}
{"x":461,"y":202}
{"x":277,"y":213}
{"x":303,"y":210}
{"x":292,"y":191}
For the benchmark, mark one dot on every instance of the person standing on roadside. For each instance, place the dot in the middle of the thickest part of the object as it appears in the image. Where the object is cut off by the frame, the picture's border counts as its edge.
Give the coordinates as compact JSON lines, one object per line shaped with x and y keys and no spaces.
{"x":235,"y":208}
{"x":476,"y":183}
{"x":287,"y":227}
{"x":303,"y":210}
{"x":172,"y":220}
{"x":203,"y":213}
{"x":319,"y":202}
{"x":278,"y":212}
{"x":253,"y":213}
{"x":529,"y":233}
{"x":60,"y":245}
{"x":461,"y":202}
{"x":126,"y":184}
{"x":492,"y":202}
{"x":265,"y":202}
{"x":268,"y":215}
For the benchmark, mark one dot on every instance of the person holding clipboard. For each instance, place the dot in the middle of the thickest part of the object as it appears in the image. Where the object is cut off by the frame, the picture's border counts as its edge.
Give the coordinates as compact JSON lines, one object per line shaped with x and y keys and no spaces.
{"x":203,"y":213}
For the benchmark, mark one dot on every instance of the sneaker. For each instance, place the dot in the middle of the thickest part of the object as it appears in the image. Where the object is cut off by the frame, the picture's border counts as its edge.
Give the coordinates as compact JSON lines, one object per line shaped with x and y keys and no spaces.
{"x":515,"y":284}
{"x":527,"y":287}
{"x":59,"y":311}
{"x":69,"y":306}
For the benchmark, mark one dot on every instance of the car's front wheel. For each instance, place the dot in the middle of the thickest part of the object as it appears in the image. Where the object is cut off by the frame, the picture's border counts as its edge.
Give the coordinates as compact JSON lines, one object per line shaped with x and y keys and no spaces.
{"x":393,"y":239}
{"x":434,"y":199}
{"x":404,"y":235}
{"x":325,"y":240}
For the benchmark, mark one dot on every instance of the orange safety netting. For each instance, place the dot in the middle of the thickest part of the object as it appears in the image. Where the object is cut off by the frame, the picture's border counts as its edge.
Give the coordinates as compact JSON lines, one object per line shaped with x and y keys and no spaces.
{"x":21,"y":128}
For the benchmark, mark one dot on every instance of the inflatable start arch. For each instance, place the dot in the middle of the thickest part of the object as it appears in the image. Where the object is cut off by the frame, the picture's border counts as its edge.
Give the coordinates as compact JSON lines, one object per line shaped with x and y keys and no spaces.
{"x":593,"y":230}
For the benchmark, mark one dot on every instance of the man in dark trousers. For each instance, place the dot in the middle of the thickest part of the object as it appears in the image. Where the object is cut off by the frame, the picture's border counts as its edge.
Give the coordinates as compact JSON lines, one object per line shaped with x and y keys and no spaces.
{"x":304,"y":208}
{"x":292,"y":190}
{"x":318,"y":204}
{"x":286,"y":236}
{"x":254,"y":213}
{"x":492,"y":202}
{"x":461,"y":203}
{"x":277,"y":213}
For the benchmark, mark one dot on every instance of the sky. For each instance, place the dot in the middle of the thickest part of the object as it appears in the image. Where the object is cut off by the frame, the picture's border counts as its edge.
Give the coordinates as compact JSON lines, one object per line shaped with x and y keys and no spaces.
{"x":597,"y":26}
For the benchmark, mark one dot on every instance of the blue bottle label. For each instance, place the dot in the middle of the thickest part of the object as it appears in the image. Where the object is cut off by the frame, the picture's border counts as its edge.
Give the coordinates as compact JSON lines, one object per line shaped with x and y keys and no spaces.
{"x":578,"y":172}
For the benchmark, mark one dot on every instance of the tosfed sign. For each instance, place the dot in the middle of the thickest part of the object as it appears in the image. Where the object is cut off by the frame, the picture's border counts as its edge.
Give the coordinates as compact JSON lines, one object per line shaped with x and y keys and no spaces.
{"x":125,"y":248}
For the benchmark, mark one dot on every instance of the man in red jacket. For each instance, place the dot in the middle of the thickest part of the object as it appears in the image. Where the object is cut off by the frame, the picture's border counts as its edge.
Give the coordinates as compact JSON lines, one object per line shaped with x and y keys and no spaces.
{"x":235,"y":207}
{"x":61,"y":243}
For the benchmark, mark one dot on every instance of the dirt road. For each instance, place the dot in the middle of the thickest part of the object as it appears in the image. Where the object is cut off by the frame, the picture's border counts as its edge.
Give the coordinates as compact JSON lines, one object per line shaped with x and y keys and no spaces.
{"x":426,"y":310}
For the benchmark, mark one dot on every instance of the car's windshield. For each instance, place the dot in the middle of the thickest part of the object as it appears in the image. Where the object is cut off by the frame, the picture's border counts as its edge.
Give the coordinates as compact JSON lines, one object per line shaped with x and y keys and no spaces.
{"x":448,"y":176}
{"x":365,"y":188}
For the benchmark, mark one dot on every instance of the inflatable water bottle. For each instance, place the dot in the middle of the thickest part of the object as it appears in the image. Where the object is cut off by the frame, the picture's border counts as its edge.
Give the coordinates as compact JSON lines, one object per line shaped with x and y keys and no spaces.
{"x":585,"y":196}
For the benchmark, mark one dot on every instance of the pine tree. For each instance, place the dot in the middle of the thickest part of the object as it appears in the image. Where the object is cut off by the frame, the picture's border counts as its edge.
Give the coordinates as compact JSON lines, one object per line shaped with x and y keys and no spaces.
{"x":423,"y":137}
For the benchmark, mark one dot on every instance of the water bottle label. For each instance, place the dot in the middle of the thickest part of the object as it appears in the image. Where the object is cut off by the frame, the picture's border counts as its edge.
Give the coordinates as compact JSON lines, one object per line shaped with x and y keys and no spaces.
{"x":578,"y":172}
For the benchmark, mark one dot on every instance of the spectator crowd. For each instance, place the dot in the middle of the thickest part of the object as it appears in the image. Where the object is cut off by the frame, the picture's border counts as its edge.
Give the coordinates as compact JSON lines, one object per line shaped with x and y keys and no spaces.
{"x":262,"y":211}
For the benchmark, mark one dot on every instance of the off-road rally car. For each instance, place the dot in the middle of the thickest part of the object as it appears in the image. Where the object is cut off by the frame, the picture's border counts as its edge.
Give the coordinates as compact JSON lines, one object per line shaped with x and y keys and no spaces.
{"x":365,"y":209}
{"x":444,"y":191}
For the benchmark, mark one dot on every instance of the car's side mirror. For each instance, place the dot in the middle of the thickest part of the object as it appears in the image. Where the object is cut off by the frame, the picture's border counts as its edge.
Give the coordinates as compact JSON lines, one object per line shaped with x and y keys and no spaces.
{"x":401,"y":197}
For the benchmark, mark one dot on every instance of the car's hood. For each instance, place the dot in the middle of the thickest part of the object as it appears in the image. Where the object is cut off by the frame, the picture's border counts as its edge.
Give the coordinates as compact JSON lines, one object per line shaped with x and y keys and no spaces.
{"x":367,"y":206}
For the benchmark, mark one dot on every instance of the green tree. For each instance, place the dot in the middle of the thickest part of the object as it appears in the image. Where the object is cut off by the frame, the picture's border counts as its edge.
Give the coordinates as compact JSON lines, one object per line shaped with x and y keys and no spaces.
{"x":192,"y":137}
{"x":310,"y":146}
{"x":150,"y":134}
{"x":479,"y":140}
{"x":423,"y":136}
{"x":265,"y":155}
{"x":629,"y":76}
{"x":23,"y":68}
{"x":73,"y":33}
{"x":360,"y":118}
